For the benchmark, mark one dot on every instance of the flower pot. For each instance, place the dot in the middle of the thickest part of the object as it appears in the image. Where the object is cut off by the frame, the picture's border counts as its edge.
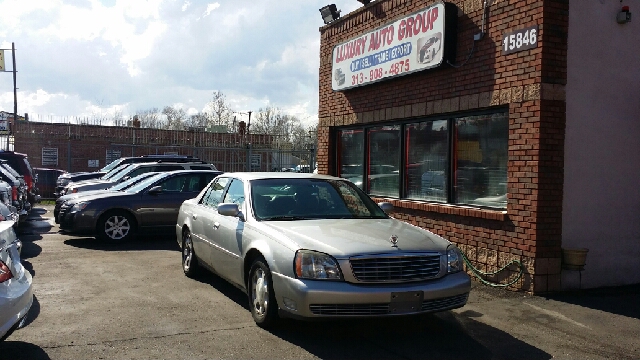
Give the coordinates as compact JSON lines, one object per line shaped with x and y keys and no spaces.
{"x":574,"y":259}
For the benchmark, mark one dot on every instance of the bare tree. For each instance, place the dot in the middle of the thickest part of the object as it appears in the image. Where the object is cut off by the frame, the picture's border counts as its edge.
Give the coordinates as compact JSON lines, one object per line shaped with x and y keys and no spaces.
{"x":196,"y":122}
{"x":175,"y":118}
{"x":218,"y":111}
{"x":118,"y":119}
{"x":150,"y":118}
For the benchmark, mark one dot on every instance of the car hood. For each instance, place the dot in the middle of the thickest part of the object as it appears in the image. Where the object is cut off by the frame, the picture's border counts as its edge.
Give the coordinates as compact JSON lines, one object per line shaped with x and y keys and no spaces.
{"x":347,"y":237}
{"x":97,"y":196}
{"x":74,"y":196}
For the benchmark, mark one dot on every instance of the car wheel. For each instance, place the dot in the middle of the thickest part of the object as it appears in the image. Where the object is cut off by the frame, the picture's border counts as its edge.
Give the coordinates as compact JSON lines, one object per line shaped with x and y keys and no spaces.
{"x":262,"y":300}
{"x":117,"y":226}
{"x":189,"y":260}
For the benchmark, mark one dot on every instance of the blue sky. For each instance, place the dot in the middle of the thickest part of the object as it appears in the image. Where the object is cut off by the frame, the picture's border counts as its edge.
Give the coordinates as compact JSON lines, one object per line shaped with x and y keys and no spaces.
{"x":90,"y":57}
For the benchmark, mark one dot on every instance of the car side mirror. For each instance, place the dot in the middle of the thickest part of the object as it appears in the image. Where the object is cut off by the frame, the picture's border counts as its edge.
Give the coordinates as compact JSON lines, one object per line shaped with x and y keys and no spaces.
{"x":155,"y":190}
{"x":387,"y":207}
{"x":230,"y":209}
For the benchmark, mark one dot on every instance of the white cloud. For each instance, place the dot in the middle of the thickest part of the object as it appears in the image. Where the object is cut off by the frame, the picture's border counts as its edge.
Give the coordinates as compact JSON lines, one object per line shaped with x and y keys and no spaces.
{"x":81,"y":57}
{"x":210,"y":8}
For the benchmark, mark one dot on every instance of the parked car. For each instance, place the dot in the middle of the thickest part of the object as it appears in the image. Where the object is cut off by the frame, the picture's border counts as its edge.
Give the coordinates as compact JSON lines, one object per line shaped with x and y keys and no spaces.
{"x":19,"y":198}
{"x":16,"y":292}
{"x":119,"y":187}
{"x":314,"y":246}
{"x":7,"y":214}
{"x":64,"y":180}
{"x":46,"y":181}
{"x":149,"y":206}
{"x":113,"y":172}
{"x":7,"y":210}
{"x":20,"y":164}
{"x":132,"y":170}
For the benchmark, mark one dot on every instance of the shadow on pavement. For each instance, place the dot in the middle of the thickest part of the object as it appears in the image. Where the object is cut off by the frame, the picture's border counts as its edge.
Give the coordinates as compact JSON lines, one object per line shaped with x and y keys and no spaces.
{"x":444,"y":335}
{"x":16,"y":350}
{"x":621,"y":300}
{"x":225,"y":288}
{"x":33,"y":312}
{"x":138,"y":244}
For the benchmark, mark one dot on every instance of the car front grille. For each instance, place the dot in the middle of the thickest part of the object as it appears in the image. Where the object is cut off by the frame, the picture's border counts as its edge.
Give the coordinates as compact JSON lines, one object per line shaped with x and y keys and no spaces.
{"x":349,"y":309}
{"x":445,"y":303}
{"x":431,"y":305}
{"x":414,"y":267}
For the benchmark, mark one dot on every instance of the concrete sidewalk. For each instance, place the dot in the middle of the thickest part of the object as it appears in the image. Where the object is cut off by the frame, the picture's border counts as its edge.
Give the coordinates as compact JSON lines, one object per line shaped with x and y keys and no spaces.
{"x":588,"y":324}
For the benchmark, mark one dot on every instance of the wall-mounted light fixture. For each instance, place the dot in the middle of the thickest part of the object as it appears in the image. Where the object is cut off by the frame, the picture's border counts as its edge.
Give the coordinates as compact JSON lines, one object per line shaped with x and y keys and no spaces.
{"x":624,"y":16}
{"x":329,"y":13}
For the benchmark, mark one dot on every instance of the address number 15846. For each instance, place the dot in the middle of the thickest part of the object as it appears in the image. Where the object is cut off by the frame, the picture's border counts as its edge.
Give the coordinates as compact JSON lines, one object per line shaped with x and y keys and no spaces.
{"x":519,"y":40}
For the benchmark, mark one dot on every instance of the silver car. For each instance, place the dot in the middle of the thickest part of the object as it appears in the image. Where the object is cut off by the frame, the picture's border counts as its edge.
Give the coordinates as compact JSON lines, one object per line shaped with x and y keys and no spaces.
{"x":16,"y":293}
{"x":315,"y":246}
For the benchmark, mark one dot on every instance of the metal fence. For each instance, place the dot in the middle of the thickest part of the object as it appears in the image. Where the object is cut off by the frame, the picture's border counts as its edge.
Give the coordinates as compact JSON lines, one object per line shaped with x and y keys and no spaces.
{"x":229,"y":159}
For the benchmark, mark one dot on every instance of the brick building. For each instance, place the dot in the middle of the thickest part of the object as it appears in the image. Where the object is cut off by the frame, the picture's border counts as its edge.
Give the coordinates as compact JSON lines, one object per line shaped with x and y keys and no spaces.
{"x":77,"y":147}
{"x":477,"y":120}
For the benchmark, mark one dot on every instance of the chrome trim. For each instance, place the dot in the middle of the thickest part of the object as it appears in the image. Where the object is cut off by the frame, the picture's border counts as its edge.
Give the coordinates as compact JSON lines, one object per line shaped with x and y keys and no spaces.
{"x":396,"y":268}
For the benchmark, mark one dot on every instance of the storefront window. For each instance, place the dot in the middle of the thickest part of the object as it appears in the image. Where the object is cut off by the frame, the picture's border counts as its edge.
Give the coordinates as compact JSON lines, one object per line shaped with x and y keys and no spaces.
{"x":383,"y":169}
{"x":351,"y":156}
{"x":427,"y":160}
{"x":458,"y":160}
{"x":480,"y":160}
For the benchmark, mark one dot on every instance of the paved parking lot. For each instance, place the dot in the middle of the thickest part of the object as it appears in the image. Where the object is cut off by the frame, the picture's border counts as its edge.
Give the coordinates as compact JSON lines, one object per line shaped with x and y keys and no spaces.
{"x":95,"y":301}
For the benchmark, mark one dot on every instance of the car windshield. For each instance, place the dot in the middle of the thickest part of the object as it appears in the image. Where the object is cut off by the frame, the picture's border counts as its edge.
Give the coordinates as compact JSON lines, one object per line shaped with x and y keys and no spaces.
{"x":112,"y":165}
{"x":298,"y":199}
{"x":145,"y":183}
{"x":117,"y":170}
{"x":129,"y":183}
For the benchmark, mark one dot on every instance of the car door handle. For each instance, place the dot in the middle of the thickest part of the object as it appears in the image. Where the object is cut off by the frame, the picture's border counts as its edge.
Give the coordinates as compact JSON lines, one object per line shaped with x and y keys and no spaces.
{"x":216,"y":225}
{"x":194,"y":216}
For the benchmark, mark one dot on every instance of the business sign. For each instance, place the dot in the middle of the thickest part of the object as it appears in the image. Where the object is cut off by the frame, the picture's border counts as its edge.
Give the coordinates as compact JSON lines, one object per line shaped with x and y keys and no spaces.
{"x":413,"y":43}
{"x":49,"y":156}
{"x":2,"y":68}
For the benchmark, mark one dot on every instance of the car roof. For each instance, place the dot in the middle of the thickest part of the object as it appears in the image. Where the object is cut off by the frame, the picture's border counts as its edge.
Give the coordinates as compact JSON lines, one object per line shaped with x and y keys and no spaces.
{"x":279,"y":175}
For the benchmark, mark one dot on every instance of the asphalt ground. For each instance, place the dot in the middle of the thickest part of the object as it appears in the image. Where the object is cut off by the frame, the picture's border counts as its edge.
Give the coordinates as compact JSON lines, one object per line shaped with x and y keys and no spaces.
{"x":132,"y":301}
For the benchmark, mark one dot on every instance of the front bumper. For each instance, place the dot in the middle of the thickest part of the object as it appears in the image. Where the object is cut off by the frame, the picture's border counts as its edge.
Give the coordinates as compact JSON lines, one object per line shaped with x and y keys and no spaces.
{"x":326,"y":299}
{"x":75,"y":222}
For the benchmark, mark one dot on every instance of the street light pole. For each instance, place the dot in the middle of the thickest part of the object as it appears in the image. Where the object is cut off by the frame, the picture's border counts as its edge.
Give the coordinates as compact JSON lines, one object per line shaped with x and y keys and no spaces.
{"x":15,"y":94}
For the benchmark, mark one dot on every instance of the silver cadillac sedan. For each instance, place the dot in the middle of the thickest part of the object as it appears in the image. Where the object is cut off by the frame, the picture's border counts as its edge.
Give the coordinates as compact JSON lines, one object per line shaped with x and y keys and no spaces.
{"x":314,"y":246}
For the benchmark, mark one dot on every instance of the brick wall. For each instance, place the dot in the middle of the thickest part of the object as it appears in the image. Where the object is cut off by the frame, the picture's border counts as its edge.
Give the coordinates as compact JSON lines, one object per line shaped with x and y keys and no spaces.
{"x":77,"y":144}
{"x":530,"y":83}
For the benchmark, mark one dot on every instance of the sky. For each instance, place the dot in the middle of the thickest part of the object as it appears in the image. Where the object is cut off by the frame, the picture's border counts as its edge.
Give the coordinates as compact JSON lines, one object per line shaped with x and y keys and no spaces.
{"x":84,"y":58}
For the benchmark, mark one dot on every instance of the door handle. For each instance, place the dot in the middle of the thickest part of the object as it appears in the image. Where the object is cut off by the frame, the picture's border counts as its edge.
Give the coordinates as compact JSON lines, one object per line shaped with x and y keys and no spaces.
{"x":216,"y":225}
{"x":194,"y":216}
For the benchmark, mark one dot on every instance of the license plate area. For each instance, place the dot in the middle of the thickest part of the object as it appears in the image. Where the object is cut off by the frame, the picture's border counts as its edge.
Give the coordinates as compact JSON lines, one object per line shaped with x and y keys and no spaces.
{"x":405,"y":302}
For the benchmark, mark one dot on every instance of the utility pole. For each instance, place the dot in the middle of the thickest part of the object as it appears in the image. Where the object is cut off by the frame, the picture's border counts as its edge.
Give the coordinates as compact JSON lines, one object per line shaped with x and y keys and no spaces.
{"x":15,"y":94}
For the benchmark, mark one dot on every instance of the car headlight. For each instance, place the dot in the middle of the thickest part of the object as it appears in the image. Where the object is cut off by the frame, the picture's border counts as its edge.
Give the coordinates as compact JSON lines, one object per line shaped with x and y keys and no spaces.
{"x":314,"y":265}
{"x":454,"y":260}
{"x":79,"y":206}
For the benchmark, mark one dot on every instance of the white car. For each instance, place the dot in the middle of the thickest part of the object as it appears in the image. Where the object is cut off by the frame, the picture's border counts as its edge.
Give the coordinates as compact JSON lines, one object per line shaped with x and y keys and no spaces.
{"x":16,"y":292}
{"x":315,"y":246}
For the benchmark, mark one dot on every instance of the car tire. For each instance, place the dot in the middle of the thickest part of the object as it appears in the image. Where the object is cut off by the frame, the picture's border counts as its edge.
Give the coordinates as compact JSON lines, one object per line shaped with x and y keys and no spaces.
{"x":116,"y":226}
{"x":262,"y":299}
{"x":190,"y":264}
